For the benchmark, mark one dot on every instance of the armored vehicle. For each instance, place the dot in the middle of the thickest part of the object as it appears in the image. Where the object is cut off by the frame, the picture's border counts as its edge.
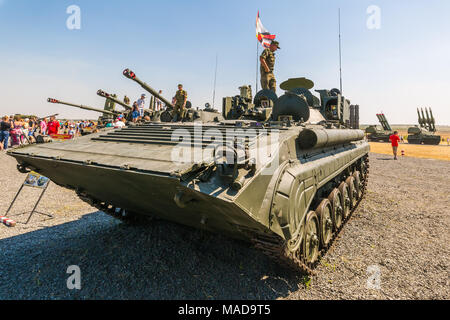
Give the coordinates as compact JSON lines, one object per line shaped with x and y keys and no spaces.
{"x":376,"y":135}
{"x":425,"y":133}
{"x":287,"y":184}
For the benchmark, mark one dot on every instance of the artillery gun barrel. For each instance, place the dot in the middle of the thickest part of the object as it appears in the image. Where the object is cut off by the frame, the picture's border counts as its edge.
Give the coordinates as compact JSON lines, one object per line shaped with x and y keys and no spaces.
{"x":114,"y":113}
{"x":319,"y":138}
{"x":131,"y":75}
{"x":106,"y":95}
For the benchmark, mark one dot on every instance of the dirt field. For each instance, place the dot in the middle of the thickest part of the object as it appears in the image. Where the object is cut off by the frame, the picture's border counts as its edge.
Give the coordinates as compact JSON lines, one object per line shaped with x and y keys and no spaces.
{"x":399,"y":234}
{"x":441,"y":152}
{"x":443,"y":131}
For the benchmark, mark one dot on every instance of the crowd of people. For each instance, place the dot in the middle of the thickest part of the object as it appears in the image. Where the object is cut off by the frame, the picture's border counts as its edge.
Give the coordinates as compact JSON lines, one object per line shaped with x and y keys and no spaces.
{"x":17,"y":131}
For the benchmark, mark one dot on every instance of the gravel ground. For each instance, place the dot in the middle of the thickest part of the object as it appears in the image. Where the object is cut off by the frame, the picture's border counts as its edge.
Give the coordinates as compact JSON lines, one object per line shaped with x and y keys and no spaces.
{"x":401,"y":228}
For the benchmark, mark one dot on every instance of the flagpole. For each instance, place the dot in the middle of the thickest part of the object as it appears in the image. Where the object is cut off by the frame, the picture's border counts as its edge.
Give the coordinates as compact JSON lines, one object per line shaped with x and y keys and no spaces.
{"x":340,"y":54}
{"x":257,"y":63}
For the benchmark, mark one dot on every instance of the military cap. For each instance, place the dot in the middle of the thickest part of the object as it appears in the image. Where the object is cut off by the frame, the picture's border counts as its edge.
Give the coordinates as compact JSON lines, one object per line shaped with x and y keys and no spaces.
{"x":276,"y":43}
{"x":179,"y":85}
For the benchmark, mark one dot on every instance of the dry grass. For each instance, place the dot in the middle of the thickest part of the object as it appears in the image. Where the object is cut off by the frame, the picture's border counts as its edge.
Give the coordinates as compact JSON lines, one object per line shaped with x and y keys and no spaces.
{"x":441,"y":152}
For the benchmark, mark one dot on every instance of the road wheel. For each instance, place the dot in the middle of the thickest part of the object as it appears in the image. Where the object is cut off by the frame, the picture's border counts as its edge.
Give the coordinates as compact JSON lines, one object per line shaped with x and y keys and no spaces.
{"x":345,"y":199}
{"x":352,"y":193}
{"x":311,"y":240}
{"x":324,"y":214}
{"x":358,"y":186}
{"x":337,"y":211}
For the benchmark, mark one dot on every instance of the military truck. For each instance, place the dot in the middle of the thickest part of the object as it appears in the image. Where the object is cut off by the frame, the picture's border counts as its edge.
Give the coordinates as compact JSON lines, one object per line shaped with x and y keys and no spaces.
{"x":287,"y":185}
{"x":425,"y":134}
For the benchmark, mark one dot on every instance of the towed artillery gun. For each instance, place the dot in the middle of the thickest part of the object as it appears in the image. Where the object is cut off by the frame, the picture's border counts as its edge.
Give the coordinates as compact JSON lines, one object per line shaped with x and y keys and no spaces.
{"x":376,"y":135}
{"x":147,"y":112}
{"x":205,"y":115}
{"x":108,"y":115}
{"x":286,"y":185}
{"x":425,"y":134}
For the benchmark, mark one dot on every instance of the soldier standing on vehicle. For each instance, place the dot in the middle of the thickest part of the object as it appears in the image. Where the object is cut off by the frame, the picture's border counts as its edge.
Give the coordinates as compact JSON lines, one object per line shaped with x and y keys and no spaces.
{"x":179,"y":103}
{"x":267,"y":60}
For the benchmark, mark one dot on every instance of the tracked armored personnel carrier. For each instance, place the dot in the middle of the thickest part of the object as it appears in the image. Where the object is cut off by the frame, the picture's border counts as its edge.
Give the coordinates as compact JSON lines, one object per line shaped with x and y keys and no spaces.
{"x":287,"y":185}
{"x":425,"y":134}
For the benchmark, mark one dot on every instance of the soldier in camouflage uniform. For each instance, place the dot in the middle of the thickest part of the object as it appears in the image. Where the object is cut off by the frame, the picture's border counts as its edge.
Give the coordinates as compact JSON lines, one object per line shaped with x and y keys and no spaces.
{"x":179,"y":103}
{"x":267,"y":60}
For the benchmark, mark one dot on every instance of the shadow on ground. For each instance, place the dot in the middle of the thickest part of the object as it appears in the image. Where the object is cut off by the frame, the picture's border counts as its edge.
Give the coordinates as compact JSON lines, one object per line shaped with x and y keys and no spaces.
{"x":159,"y":260}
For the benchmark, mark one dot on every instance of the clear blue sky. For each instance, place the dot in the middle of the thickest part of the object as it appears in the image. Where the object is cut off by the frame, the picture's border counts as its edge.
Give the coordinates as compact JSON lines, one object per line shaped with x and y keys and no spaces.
{"x":403,"y":65}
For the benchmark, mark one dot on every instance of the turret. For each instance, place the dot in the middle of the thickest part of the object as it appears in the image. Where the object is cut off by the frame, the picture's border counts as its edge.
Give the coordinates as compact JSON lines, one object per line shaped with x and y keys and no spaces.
{"x":131,"y":75}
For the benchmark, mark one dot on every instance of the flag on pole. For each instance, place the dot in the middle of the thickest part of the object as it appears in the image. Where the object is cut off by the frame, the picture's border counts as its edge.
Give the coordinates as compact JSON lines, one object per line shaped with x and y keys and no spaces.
{"x":264,"y":36}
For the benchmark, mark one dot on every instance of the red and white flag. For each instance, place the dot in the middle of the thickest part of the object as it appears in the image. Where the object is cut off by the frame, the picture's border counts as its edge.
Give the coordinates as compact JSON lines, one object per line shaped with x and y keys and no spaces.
{"x":264,"y":36}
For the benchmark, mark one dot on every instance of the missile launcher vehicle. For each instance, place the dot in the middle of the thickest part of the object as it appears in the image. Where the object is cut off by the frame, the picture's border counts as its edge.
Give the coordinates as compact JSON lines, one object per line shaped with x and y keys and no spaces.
{"x":376,"y":135}
{"x":286,"y":184}
{"x":425,"y":134}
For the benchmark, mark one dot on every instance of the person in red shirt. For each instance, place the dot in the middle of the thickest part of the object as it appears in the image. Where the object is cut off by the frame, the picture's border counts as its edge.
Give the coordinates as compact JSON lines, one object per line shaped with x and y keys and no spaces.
{"x":53,"y":126}
{"x":394,"y":142}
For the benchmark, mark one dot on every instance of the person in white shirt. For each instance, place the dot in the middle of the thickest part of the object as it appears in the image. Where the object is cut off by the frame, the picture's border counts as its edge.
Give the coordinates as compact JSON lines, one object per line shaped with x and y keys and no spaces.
{"x":118,"y":123}
{"x":141,"y":105}
{"x":158,"y":103}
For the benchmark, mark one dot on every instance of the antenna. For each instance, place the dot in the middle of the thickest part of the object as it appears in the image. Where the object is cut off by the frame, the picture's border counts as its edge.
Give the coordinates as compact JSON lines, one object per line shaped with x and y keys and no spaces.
{"x":215,"y":79}
{"x":340,"y":54}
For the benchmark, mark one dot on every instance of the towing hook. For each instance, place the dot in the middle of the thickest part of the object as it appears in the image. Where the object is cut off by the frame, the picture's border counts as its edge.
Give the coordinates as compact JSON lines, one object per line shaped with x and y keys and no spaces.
{"x":22,"y":168}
